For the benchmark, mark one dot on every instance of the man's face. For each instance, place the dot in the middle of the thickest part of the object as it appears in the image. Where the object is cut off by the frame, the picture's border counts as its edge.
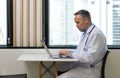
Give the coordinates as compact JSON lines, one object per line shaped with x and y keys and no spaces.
{"x":81,"y":23}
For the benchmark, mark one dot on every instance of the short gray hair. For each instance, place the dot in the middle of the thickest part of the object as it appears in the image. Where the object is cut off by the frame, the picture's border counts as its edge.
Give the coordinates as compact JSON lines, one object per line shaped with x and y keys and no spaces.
{"x":83,"y":13}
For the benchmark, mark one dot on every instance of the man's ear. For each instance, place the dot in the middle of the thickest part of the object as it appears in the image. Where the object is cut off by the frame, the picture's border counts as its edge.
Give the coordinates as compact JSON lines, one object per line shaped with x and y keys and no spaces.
{"x":86,"y":20}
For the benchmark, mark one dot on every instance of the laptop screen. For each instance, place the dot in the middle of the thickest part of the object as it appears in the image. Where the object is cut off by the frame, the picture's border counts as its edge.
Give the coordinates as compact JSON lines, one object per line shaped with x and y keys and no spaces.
{"x":43,"y":42}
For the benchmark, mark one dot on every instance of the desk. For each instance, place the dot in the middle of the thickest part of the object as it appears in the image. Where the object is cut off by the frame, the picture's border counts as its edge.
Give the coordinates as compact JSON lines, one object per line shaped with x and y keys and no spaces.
{"x":44,"y":58}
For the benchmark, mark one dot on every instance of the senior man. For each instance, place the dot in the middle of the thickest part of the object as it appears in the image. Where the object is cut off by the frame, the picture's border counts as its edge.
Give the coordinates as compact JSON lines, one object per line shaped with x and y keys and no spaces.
{"x":90,"y":50}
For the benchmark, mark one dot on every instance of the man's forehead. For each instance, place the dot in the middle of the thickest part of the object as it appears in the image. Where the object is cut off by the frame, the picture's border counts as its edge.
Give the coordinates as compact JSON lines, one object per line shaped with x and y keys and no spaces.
{"x":78,"y":17}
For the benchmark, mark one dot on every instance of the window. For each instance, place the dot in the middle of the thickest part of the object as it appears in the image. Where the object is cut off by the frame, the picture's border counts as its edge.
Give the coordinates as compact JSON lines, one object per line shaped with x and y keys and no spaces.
{"x":60,"y":27}
{"x":5,"y":22}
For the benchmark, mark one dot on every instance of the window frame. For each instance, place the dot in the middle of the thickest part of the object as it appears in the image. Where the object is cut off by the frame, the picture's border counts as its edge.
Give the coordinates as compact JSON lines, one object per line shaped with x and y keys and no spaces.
{"x":46,"y":29}
{"x":9,"y":23}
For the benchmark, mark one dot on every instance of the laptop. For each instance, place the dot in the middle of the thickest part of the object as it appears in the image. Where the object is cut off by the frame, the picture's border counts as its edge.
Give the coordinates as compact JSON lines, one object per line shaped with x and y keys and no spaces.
{"x":54,"y":56}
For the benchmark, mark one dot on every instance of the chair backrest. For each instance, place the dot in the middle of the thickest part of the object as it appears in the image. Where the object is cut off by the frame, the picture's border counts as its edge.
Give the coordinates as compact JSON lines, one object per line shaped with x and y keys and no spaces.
{"x":103,"y":64}
{"x":112,"y":67}
{"x":14,"y":76}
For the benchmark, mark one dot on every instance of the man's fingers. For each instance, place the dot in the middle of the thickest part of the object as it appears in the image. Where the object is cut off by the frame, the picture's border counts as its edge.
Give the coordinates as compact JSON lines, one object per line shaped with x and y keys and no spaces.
{"x":61,"y":53}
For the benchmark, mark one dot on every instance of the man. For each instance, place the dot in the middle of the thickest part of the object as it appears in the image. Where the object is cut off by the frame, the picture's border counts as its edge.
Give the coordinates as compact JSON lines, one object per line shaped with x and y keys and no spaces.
{"x":90,"y":50}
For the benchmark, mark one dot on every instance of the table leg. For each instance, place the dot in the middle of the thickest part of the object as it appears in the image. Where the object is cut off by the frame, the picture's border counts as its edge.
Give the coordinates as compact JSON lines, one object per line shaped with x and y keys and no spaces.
{"x":55,"y":70}
{"x":40,"y":70}
{"x":54,"y":73}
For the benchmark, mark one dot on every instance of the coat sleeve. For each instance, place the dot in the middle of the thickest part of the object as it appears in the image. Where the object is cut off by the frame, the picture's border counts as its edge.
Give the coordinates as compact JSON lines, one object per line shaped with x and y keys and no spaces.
{"x":92,"y":50}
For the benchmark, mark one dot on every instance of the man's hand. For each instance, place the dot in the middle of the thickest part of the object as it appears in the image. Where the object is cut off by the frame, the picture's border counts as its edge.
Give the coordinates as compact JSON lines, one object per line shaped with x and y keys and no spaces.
{"x":64,"y":52}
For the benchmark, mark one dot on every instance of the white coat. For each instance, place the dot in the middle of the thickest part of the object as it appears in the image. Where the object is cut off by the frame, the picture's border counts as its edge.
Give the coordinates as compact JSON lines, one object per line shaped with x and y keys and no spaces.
{"x":91,"y":48}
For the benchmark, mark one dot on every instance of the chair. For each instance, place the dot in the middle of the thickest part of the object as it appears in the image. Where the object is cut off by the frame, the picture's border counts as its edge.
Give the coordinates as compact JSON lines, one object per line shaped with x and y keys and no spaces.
{"x":103,"y":64}
{"x":112,"y":67}
{"x":14,"y":76}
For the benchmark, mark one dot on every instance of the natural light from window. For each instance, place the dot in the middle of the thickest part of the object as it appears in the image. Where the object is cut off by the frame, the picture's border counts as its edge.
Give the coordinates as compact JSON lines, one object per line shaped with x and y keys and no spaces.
{"x":3,"y":22}
{"x":62,"y":29}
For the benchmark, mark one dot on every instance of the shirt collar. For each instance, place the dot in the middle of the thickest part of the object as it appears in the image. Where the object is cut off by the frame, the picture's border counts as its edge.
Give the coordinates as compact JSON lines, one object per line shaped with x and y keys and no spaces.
{"x":89,"y":29}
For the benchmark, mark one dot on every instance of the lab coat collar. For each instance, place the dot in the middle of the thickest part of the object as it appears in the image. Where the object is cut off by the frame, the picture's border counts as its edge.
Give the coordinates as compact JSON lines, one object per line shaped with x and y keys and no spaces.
{"x":89,"y":29}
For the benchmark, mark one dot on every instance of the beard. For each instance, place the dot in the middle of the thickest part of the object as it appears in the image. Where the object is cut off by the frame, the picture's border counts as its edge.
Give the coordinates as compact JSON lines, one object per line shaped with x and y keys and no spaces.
{"x":81,"y":30}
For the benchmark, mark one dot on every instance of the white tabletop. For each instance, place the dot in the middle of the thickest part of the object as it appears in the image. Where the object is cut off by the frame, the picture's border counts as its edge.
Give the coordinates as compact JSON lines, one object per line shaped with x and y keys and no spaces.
{"x":44,"y":58}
